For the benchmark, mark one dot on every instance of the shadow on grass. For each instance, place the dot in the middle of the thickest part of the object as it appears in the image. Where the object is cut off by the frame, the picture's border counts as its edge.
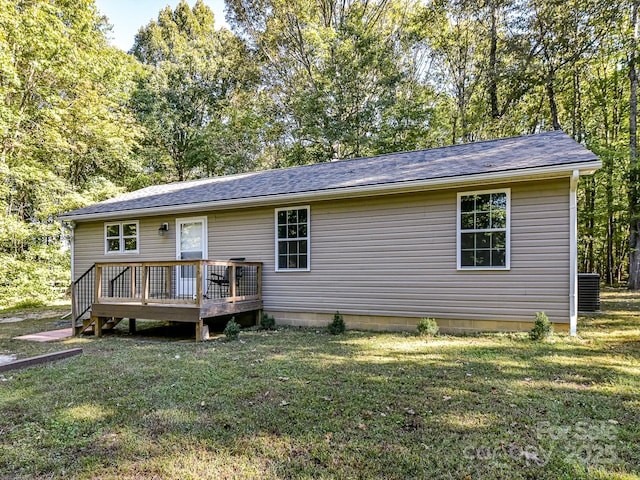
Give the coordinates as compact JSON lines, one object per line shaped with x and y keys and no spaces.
{"x":300,"y":404}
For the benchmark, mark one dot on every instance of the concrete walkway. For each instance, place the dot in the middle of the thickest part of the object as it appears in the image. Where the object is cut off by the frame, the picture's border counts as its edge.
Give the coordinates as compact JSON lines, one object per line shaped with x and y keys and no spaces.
{"x":47,"y":336}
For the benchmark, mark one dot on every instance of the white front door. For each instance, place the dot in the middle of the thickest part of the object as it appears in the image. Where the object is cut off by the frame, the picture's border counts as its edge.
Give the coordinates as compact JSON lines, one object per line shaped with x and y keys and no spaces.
{"x":191,"y":244}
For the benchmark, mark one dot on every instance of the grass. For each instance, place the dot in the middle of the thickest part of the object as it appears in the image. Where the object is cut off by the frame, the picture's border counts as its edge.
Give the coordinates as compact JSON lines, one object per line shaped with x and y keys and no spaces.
{"x":300,"y":403}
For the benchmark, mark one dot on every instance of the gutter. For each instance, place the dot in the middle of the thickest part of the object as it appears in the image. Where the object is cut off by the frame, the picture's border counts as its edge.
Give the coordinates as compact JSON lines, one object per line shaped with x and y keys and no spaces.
{"x":351,"y":192}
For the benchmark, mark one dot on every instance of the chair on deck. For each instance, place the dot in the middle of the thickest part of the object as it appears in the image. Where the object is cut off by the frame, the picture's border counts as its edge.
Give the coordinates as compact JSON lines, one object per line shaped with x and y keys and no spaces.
{"x":222,"y":281}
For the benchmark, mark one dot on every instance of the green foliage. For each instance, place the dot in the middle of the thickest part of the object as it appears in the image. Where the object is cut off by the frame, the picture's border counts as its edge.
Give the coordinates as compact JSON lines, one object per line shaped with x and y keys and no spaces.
{"x":64,"y":120}
{"x":193,"y":100}
{"x":29,"y":303}
{"x":347,"y":83}
{"x":40,"y":275}
{"x":232,"y":330}
{"x":337,"y":325}
{"x":542,"y":327}
{"x":300,"y":82}
{"x":427,"y":327}
{"x":267,"y":322}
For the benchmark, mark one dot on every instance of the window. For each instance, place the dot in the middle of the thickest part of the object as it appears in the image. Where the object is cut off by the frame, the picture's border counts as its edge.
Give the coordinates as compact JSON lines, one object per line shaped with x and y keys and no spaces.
{"x":292,"y":238}
{"x":121,"y":237}
{"x":484,"y":230}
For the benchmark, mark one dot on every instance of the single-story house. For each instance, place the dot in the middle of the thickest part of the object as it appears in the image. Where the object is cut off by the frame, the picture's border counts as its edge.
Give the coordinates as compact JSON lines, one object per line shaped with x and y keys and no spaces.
{"x":479,"y":236}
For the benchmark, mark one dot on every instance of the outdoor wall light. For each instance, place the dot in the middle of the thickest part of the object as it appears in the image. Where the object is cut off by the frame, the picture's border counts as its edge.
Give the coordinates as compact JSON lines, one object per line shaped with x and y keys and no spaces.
{"x":164,"y":228}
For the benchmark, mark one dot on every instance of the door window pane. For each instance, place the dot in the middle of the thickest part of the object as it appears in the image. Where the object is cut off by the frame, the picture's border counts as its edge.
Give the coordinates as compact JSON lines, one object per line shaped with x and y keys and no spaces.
{"x":191,"y":236}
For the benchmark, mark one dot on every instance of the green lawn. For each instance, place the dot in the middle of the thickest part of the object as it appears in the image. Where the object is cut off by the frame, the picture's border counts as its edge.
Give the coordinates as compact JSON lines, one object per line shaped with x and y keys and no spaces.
{"x":300,"y":403}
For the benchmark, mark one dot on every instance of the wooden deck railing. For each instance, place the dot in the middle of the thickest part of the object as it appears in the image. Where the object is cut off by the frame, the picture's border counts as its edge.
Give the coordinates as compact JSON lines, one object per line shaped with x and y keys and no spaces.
{"x":179,"y":282}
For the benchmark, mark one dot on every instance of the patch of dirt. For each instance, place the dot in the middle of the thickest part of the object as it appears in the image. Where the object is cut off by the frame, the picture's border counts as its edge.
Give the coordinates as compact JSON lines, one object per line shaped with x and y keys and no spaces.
{"x":33,"y":316}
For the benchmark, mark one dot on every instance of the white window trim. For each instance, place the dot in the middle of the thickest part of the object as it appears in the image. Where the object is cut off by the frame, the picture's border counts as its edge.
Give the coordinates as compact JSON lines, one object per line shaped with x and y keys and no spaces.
{"x":205,"y":235}
{"x":307,"y":238}
{"x":122,"y":251}
{"x":507,"y":230}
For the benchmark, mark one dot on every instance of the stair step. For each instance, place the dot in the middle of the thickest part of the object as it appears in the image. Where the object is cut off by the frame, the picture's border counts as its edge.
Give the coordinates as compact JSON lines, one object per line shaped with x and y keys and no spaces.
{"x":89,"y":325}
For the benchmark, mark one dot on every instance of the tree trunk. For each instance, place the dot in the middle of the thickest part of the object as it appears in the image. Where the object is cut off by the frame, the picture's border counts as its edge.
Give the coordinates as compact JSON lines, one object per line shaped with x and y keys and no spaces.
{"x":590,"y":206}
{"x":610,"y":266}
{"x":553,"y":106}
{"x":493,"y":67}
{"x":634,"y":174}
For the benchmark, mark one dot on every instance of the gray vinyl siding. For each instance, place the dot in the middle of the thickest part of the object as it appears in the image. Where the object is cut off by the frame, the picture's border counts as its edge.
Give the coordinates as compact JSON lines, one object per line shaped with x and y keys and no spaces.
{"x":396,"y":256}
{"x":387,"y":256}
{"x":89,"y":243}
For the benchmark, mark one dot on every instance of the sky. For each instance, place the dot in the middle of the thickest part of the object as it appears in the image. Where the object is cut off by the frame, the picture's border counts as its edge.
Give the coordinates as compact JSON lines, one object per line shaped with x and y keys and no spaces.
{"x":127,"y":16}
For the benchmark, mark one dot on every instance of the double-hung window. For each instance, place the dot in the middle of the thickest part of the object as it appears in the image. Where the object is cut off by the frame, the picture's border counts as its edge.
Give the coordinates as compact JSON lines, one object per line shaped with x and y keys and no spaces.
{"x":484,"y":230}
{"x":292,"y":239}
{"x":121,"y":237}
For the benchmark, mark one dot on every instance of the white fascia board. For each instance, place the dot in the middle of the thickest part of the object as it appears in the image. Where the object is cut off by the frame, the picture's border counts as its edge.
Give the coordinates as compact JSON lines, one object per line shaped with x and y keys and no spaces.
{"x":525,"y":174}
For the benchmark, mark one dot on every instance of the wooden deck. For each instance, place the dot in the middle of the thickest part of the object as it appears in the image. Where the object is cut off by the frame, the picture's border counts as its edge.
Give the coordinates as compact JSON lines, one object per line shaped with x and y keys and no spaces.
{"x":177,"y":291}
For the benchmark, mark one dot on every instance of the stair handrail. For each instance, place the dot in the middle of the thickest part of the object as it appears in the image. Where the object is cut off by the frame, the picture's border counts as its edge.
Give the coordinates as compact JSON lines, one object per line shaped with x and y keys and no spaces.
{"x":112,"y":281}
{"x":74,"y":295}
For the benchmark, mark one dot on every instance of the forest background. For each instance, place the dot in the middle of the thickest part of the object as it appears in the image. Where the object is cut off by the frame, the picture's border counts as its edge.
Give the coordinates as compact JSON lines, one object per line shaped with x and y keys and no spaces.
{"x":300,"y":82}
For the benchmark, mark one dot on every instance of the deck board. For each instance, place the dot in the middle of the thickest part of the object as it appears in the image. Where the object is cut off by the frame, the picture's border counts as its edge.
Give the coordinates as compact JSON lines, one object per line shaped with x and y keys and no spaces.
{"x":210,"y":310}
{"x":174,"y":313}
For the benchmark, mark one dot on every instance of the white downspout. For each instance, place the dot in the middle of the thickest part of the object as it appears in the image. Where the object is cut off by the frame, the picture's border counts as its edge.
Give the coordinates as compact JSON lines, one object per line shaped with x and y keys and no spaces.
{"x":573,"y":254}
{"x":72,"y":242}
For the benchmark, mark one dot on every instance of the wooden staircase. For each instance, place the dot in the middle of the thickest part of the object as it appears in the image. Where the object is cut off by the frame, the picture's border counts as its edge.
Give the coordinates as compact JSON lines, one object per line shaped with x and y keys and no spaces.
{"x":89,"y":325}
{"x":82,"y":299}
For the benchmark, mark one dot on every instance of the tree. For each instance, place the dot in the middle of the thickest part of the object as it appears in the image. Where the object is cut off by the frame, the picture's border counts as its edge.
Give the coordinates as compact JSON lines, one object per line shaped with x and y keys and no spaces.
{"x":63,"y":111}
{"x":63,"y":122}
{"x":341,"y":75}
{"x":196,"y":76}
{"x":634,"y":168}
{"x":457,"y":38}
{"x":64,"y":118}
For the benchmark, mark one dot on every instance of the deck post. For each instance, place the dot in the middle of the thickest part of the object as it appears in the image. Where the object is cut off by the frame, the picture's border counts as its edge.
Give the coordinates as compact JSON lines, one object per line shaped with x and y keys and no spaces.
{"x":132,"y":325}
{"x":98,"y":287}
{"x":145,"y":283}
{"x":232,"y":282}
{"x":74,"y":306}
{"x":133,"y":282}
{"x":199,"y":327}
{"x":259,"y":278}
{"x":199,"y":278}
{"x":97,"y":326}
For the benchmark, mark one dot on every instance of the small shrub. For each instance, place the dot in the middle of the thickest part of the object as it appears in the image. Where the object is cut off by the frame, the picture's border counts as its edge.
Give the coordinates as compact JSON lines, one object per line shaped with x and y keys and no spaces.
{"x":427,"y":327}
{"x":267,"y":322}
{"x":232,"y":330}
{"x":542,"y":327}
{"x":337,"y":325}
{"x":29,"y":303}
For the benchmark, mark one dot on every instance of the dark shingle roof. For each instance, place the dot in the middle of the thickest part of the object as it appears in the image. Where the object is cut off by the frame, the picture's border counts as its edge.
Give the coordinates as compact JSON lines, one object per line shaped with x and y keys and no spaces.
{"x":551,"y":149}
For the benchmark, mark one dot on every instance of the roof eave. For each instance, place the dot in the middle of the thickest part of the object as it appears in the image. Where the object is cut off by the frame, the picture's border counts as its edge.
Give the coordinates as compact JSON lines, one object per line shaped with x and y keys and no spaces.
{"x":584,"y":168}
